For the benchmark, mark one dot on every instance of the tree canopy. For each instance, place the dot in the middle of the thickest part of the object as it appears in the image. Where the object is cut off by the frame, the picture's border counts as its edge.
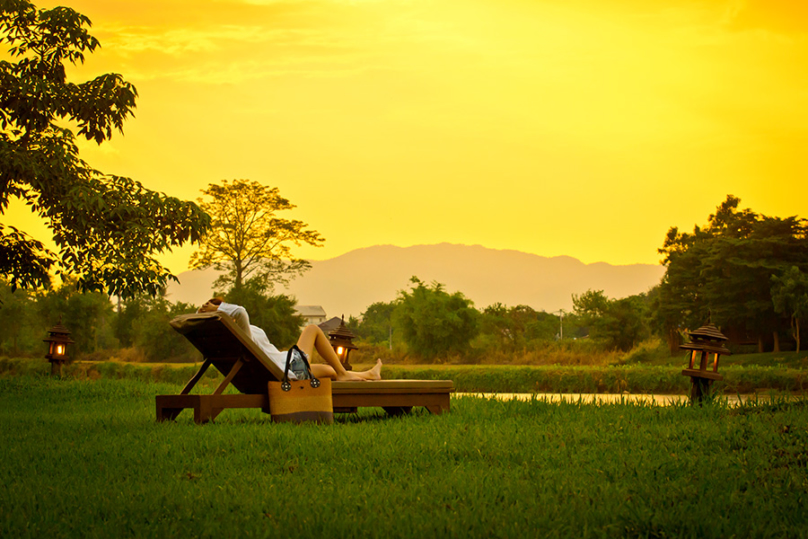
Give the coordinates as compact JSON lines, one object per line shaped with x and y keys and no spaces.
{"x":512,"y":327}
{"x":435,"y":323}
{"x":790,"y":297}
{"x":377,"y":323}
{"x":107,"y":228}
{"x":247,"y":239}
{"x":617,"y":323}
{"x":723,"y":271}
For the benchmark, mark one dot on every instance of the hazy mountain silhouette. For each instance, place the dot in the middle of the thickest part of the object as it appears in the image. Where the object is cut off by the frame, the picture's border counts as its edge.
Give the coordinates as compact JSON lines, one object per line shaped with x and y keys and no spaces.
{"x":349,"y":283}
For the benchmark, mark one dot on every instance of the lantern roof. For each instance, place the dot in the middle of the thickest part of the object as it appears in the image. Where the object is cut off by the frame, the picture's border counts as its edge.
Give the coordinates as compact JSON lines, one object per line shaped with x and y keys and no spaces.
{"x":342,"y":333}
{"x":708,"y":339}
{"x":342,"y":330}
{"x":59,"y":329}
{"x":59,"y":333}
{"x":708,"y":331}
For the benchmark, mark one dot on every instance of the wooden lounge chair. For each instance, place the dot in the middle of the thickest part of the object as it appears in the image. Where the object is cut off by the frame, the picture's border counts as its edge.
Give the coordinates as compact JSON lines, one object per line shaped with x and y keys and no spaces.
{"x":244,"y":365}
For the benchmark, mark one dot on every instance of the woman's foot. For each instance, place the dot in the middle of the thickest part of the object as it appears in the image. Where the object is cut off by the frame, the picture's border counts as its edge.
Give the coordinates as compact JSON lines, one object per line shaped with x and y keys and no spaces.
{"x":364,"y":376}
{"x":350,"y":377}
{"x":373,"y":374}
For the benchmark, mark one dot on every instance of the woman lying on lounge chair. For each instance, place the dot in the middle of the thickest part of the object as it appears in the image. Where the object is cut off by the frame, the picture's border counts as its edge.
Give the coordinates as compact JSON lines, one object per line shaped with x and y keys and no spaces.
{"x":311,"y":338}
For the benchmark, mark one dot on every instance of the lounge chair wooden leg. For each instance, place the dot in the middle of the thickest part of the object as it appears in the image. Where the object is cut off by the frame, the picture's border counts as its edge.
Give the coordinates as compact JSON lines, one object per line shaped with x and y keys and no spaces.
{"x":167,"y":409}
{"x":198,"y":376}
{"x":203,"y":412}
{"x":440,"y":407}
{"x":230,"y":375}
{"x":215,"y":413}
{"x":168,"y":414}
{"x":397,"y":410}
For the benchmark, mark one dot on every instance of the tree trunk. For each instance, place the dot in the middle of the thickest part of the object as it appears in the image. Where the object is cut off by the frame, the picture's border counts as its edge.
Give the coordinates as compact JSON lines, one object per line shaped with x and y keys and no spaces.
{"x":239,"y":279}
{"x":760,"y":344}
{"x":797,"y":332}
{"x":776,"y":337}
{"x":673,"y":341}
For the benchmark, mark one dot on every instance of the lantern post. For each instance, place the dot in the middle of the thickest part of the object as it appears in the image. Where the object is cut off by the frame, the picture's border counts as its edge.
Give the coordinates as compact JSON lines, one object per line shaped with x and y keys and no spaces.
{"x":340,"y":340}
{"x":58,"y":339}
{"x":704,"y":341}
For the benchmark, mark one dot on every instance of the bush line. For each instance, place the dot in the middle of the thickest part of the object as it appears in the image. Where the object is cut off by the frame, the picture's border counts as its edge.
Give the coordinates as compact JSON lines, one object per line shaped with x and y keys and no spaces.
{"x":474,"y":378}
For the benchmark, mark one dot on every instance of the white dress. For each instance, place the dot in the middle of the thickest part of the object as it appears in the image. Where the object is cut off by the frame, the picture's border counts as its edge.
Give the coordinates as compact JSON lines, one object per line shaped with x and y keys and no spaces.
{"x":259,"y":336}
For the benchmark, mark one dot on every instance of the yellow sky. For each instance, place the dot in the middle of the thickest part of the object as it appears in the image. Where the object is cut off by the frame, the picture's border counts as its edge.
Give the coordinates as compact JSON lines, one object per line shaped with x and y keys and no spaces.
{"x":557,"y":127}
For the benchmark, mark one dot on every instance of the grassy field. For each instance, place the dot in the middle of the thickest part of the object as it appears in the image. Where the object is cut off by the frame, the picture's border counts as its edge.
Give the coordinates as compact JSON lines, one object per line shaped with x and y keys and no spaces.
{"x":86,"y":458}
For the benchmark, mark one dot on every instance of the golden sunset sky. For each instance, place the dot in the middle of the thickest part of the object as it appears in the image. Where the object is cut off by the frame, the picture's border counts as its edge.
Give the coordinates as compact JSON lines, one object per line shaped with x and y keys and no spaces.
{"x":556,"y":127}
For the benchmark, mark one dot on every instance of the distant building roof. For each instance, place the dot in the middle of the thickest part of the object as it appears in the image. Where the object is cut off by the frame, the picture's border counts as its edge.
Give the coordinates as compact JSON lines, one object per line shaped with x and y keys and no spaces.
{"x":330,"y":325}
{"x":310,"y":311}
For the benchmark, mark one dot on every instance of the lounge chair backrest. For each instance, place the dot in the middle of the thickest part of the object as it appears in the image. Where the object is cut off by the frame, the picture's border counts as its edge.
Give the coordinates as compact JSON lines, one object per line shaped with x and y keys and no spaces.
{"x":220,"y":339}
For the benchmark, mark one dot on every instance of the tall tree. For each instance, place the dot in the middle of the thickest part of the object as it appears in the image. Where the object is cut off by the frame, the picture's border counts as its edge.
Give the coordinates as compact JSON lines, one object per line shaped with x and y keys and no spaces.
{"x":377,"y":325}
{"x":512,"y":327}
{"x":723,"y":271}
{"x":106,"y":227}
{"x":617,"y":323}
{"x":790,"y":296}
{"x":435,"y":323}
{"x":247,"y":240}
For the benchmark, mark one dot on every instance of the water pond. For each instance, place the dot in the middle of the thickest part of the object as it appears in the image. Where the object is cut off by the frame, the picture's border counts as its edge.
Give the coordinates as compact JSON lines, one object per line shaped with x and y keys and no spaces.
{"x":661,"y":400}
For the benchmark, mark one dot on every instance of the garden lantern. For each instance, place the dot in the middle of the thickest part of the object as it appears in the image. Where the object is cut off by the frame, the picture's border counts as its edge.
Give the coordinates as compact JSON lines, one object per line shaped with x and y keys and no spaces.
{"x":340,"y":339}
{"x":702,"y":372}
{"x":58,"y":339}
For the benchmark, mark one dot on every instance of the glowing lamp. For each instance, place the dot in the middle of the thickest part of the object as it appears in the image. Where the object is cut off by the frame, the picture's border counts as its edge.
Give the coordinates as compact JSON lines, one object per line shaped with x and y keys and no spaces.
{"x":340,"y":340}
{"x":58,"y":339}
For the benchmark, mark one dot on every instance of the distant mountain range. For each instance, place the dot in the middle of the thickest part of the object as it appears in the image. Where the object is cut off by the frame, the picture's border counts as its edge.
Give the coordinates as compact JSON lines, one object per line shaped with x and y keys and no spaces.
{"x":349,"y":283}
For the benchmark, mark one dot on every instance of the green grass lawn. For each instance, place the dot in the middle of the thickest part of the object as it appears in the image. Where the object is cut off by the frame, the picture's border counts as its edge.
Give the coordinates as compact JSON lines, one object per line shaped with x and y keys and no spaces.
{"x":85,"y":458}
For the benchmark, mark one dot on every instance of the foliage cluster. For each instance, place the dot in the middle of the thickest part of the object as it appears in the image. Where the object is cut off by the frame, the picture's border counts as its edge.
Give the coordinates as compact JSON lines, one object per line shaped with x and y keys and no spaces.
{"x":790,"y":297}
{"x":744,"y":271}
{"x":619,"y":324}
{"x":427,"y":323}
{"x":107,"y":228}
{"x":435,"y":322}
{"x":487,"y":469}
{"x":136,"y":329}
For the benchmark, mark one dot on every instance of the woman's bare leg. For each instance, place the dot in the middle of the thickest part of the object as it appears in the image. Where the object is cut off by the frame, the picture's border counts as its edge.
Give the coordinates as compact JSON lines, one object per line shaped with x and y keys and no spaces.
{"x":318,"y":370}
{"x":312,"y":339}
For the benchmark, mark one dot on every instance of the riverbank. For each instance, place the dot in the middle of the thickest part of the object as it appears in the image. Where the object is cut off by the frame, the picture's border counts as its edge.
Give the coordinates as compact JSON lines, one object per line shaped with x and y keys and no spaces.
{"x":477,"y":378}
